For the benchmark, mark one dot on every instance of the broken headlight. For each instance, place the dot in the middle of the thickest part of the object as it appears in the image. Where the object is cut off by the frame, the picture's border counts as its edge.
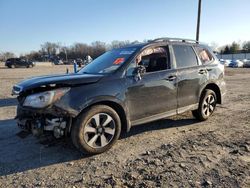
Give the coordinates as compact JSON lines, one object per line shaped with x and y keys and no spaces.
{"x":44,"y":99}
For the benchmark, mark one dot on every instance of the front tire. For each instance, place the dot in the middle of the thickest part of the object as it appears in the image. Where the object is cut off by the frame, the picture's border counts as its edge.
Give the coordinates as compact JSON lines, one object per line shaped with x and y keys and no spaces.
{"x":207,"y":105}
{"x":96,"y":130}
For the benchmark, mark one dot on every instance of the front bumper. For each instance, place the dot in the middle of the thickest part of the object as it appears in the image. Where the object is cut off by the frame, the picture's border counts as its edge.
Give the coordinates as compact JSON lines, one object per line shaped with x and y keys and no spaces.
{"x":44,"y":121}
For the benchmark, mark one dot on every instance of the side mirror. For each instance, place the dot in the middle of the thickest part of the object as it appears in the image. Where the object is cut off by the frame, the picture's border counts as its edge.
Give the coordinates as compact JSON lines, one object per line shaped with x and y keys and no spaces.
{"x":139,"y":72}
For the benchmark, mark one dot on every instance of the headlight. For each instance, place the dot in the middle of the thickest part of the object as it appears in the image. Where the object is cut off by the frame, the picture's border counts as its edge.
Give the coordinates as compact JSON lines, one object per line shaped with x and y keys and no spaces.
{"x":44,"y":99}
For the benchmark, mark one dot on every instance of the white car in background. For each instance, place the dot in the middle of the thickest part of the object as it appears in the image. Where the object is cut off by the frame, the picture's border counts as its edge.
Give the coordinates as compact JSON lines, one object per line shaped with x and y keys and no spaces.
{"x":225,"y":62}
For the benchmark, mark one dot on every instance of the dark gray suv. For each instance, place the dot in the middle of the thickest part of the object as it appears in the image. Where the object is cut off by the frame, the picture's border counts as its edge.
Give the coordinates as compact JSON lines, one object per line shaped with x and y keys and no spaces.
{"x":123,"y":87}
{"x":17,"y":62}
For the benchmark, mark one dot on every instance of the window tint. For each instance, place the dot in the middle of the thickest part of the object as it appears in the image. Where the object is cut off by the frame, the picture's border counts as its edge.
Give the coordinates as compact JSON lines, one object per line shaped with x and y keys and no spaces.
{"x":203,"y":54}
{"x":154,"y":59}
{"x":184,"y":56}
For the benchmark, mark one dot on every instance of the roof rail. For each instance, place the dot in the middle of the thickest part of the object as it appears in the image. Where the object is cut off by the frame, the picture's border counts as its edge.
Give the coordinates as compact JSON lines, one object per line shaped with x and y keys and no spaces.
{"x":175,"y":39}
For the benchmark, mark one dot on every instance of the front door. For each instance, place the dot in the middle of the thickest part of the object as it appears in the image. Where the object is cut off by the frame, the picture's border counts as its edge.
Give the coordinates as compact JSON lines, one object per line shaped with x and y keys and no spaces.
{"x":156,"y":92}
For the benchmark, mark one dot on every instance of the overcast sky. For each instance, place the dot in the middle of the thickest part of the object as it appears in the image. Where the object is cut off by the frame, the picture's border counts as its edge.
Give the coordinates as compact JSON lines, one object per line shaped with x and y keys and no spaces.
{"x":26,"y":24}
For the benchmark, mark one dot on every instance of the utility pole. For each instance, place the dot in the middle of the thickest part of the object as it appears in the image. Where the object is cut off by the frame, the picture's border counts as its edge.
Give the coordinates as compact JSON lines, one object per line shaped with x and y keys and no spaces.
{"x":198,"y":22}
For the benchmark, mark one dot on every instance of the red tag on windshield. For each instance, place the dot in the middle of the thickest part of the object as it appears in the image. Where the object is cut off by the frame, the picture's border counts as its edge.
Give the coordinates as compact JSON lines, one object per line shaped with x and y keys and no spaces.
{"x":118,"y":61}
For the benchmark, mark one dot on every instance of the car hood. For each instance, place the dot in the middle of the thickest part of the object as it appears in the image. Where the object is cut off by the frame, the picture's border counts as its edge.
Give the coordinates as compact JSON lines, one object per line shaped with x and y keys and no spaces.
{"x":64,"y":79}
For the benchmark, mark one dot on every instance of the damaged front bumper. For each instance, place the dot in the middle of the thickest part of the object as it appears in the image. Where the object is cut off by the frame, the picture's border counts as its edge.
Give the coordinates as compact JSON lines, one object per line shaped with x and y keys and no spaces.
{"x":42,"y":121}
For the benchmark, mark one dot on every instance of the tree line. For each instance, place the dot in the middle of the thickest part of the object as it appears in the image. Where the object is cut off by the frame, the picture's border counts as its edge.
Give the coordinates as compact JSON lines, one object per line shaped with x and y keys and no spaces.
{"x":50,"y":51}
{"x":236,"y":48}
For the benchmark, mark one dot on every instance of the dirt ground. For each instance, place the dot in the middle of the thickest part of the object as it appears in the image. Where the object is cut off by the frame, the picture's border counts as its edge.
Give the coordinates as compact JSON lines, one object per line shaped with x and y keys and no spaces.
{"x":175,"y":152}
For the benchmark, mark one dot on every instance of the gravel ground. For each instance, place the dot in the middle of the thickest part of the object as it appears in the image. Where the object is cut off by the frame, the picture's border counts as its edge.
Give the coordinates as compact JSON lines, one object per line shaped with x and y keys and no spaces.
{"x":174,"y":152}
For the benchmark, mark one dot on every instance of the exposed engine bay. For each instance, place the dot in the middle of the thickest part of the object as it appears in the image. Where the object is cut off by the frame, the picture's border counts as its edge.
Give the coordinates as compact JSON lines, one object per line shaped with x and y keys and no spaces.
{"x":46,"y":124}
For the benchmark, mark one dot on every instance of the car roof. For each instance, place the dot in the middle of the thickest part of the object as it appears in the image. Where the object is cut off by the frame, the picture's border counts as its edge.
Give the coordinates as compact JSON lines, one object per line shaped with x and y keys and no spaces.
{"x":167,"y":41}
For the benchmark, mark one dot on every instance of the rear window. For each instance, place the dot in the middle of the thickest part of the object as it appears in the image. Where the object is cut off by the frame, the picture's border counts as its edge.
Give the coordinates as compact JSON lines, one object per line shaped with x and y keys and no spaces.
{"x":204,"y":55}
{"x":185,"y":56}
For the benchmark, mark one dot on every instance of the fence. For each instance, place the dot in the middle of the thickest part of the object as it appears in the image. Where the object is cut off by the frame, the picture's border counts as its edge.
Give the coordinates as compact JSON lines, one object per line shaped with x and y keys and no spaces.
{"x":234,"y":56}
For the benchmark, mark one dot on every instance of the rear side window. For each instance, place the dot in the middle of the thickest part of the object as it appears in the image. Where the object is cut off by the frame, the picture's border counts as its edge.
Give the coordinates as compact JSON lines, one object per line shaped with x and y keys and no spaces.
{"x":184,"y":56}
{"x":203,"y":54}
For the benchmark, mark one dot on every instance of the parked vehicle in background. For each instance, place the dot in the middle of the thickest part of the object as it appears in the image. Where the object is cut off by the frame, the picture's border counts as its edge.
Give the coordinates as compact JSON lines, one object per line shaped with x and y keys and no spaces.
{"x":222,"y":61}
{"x":88,"y":60}
{"x":236,"y":64}
{"x":123,"y":87}
{"x":58,"y":62}
{"x":246,"y":63}
{"x":17,"y":62}
{"x":69,"y":62}
{"x":225,"y":62}
{"x":79,"y":62}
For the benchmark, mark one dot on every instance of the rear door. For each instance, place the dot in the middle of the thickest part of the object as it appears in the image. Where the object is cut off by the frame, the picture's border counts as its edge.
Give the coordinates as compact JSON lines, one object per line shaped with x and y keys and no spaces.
{"x":18,"y":62}
{"x":190,"y":77}
{"x":23,"y":63}
{"x":14,"y":62}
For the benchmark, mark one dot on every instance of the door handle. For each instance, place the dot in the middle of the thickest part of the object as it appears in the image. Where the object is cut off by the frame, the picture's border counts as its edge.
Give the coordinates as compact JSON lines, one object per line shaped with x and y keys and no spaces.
{"x":202,"y":71}
{"x":171,"y":78}
{"x":209,"y":69}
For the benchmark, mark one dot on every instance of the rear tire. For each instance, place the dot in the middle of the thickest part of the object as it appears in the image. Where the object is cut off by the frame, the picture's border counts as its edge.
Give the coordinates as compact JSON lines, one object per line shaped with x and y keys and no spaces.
{"x":96,"y":129}
{"x":207,"y":105}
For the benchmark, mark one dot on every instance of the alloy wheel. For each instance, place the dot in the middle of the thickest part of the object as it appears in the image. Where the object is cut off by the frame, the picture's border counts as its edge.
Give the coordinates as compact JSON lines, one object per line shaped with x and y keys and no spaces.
{"x":99,"y":130}
{"x":208,"y":105}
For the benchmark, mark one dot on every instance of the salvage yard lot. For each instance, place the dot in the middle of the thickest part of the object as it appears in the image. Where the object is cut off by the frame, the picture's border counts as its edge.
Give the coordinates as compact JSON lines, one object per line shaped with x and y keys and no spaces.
{"x":177,"y":151}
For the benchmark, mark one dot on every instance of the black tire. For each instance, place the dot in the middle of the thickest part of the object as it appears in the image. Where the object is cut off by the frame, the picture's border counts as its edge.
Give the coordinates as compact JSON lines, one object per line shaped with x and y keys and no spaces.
{"x":81,"y":135}
{"x":207,"y":104}
{"x":13,"y":66}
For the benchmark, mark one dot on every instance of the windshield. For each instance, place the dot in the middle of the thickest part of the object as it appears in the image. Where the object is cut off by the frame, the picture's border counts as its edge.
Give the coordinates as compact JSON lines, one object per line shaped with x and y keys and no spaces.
{"x":109,"y":61}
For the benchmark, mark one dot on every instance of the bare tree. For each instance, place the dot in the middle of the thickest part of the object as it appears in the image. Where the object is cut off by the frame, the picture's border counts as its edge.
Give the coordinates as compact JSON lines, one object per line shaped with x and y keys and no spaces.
{"x":50,"y":48}
{"x":6,"y":55}
{"x":246,"y":46}
{"x":98,"y":48}
{"x":118,"y":44}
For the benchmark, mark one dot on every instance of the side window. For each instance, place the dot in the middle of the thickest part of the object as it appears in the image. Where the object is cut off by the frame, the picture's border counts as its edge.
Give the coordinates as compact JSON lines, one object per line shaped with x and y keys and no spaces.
{"x":154,"y":59}
{"x":203,"y":54}
{"x":185,"y":56}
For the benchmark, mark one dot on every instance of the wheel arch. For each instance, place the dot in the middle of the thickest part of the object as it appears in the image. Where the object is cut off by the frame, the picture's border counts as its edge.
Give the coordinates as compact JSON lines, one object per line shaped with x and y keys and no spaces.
{"x":117,"y":106}
{"x":214,"y":87}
